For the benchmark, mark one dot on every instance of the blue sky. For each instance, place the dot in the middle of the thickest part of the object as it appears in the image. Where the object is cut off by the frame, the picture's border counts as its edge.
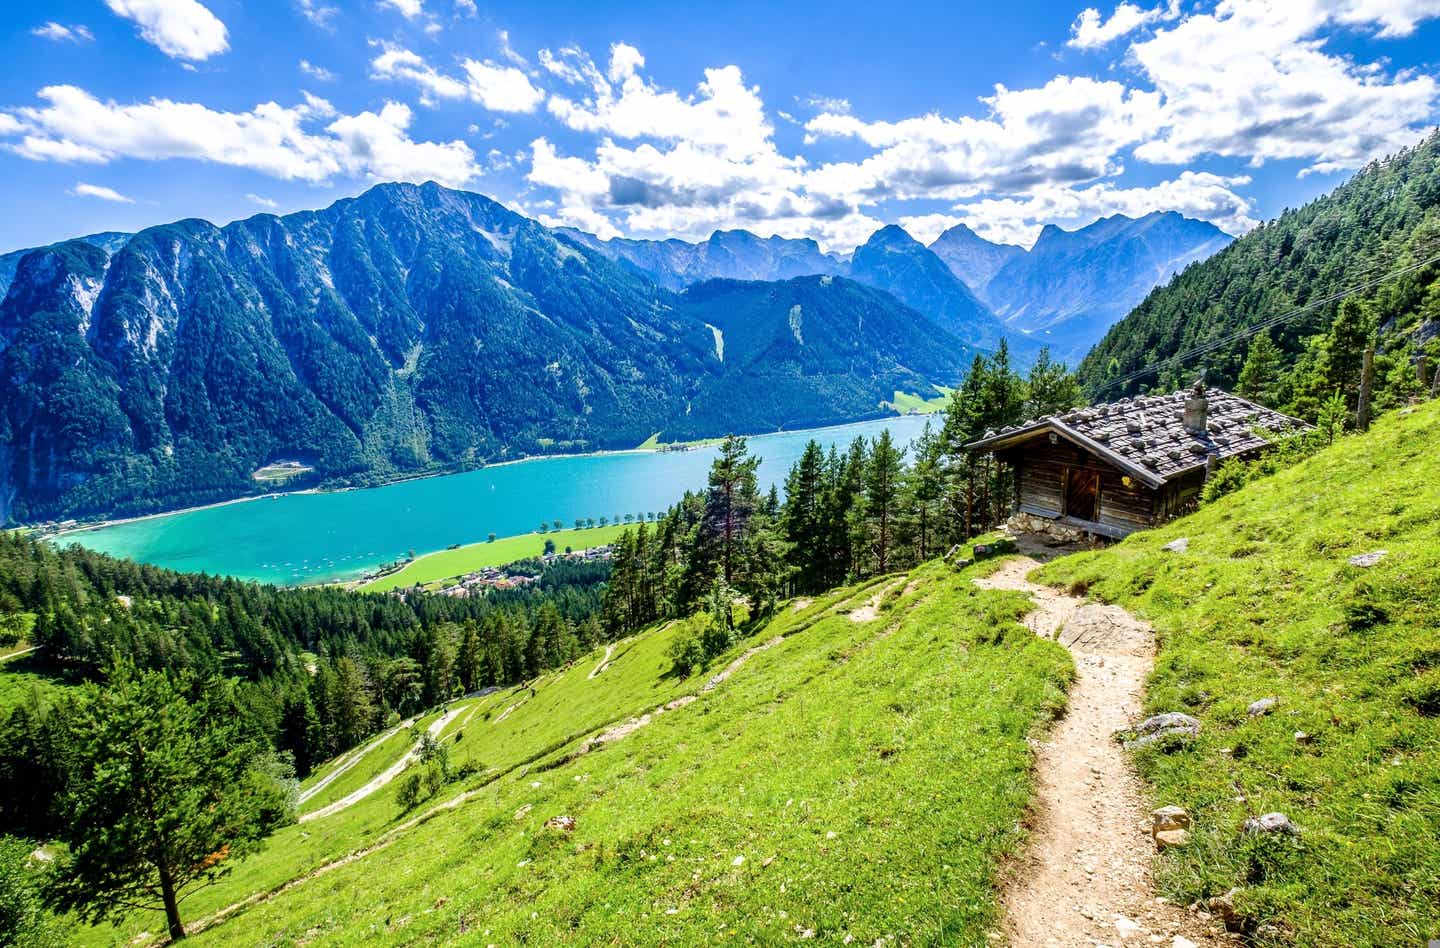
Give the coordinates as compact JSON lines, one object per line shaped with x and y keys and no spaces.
{"x":826,"y":120}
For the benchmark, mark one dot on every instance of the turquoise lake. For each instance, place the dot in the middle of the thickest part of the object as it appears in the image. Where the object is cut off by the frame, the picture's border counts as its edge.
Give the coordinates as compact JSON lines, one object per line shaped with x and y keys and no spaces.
{"x":300,"y":538}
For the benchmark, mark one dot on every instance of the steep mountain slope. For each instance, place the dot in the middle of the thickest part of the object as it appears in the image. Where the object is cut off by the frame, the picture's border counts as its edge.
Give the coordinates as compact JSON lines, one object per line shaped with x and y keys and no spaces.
{"x":1267,"y":602}
{"x":1384,"y":218}
{"x":109,"y":241}
{"x":971,"y":257}
{"x":893,"y":261}
{"x":407,"y":329}
{"x":1073,"y":285}
{"x":781,"y":342}
{"x":727,"y":254}
{"x":872,"y":743}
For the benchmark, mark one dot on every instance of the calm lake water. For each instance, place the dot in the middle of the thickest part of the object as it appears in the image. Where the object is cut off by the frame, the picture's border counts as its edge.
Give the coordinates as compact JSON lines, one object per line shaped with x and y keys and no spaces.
{"x":298,"y":538}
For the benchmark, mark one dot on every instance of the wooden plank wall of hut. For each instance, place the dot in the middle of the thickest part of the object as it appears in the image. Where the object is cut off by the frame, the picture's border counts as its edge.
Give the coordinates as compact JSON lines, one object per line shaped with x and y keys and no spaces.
{"x":1040,"y":484}
{"x":1129,"y":508}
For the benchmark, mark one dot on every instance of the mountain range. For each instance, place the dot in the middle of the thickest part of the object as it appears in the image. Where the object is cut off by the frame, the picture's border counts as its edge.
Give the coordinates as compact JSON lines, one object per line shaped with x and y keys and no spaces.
{"x":417,"y":328}
{"x":410,"y":329}
{"x":1064,"y":292}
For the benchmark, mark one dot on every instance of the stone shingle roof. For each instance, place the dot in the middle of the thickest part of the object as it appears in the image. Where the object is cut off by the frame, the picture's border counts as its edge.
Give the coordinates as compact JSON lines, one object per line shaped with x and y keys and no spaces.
{"x":1146,"y":435}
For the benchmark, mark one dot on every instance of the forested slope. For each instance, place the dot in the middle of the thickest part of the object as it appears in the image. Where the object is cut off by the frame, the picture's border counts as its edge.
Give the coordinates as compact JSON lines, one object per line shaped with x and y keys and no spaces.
{"x":1385,"y":218}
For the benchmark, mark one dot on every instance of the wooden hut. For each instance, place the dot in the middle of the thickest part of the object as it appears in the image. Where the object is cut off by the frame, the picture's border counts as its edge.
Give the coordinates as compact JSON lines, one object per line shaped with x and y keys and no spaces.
{"x":1112,"y":469}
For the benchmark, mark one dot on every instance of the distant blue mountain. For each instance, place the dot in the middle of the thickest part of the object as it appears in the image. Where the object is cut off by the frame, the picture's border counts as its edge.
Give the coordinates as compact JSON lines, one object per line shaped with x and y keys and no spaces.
{"x":1072,"y":286}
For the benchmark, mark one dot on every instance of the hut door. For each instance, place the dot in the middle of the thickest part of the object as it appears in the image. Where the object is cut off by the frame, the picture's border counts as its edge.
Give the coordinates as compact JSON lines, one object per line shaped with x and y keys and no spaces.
{"x":1082,"y":490}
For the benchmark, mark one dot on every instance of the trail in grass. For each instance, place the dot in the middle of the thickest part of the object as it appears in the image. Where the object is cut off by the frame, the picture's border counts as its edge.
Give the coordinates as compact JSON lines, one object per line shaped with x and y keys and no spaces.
{"x":600,"y":666}
{"x":1084,"y":877}
{"x":389,"y":774}
{"x":349,"y":760}
{"x":23,"y":651}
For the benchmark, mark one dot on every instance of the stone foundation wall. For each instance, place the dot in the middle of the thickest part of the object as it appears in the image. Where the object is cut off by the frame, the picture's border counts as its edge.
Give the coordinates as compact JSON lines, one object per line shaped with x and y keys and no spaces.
{"x":1022,"y":522}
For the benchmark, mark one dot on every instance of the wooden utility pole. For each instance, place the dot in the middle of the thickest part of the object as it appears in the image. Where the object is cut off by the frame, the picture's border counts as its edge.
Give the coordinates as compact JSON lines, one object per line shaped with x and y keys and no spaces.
{"x":1367,"y":381}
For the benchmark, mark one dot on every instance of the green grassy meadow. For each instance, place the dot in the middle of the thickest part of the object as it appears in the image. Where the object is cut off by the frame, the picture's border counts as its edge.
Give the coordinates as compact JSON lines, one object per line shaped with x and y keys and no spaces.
{"x":1264,"y":603}
{"x":446,"y":564}
{"x":851,"y":778}
{"x":905,"y":402}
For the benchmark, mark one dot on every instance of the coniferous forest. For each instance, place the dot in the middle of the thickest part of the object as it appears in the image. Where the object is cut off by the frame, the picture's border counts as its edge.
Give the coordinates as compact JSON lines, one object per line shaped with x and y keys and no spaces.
{"x":1385,"y":219}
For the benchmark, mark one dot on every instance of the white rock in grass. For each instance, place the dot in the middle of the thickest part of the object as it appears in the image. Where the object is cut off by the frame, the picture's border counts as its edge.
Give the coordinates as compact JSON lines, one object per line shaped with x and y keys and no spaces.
{"x":1368,"y":559}
{"x":1177,"y":546}
{"x":1271,"y":823}
{"x":738,"y":861}
{"x":1262,"y":707}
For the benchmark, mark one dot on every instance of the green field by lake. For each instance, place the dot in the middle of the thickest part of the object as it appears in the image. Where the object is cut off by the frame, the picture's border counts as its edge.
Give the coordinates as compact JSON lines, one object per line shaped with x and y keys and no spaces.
{"x":446,"y":564}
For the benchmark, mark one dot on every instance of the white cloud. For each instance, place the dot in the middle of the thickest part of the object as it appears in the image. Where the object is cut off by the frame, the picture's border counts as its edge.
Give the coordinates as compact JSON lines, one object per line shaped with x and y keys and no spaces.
{"x":1253,"y":81}
{"x":724,"y":114}
{"x":497,"y":88}
{"x":319,"y":13}
{"x":181,"y":29}
{"x":262,"y":201}
{"x":625,"y":61}
{"x":508,"y":52}
{"x":376,"y":145}
{"x":1018,"y":220}
{"x":1068,"y":131}
{"x":834,"y":105}
{"x":288,"y":143}
{"x":501,"y":88}
{"x":316,"y":72}
{"x":99,"y":191}
{"x":61,"y":33}
{"x":410,"y":9}
{"x":1241,"y":79}
{"x":1395,"y":18}
{"x":1090,"y":31}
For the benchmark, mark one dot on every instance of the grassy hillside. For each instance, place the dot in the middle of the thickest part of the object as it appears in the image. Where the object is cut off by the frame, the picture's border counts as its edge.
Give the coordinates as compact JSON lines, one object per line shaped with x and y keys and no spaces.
{"x":859,"y":772}
{"x":1264,"y":603}
{"x":446,"y":564}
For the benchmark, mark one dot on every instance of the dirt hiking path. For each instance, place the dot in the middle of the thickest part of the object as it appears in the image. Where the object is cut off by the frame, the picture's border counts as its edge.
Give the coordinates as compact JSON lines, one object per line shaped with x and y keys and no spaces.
{"x":1084,"y":876}
{"x":389,"y":774}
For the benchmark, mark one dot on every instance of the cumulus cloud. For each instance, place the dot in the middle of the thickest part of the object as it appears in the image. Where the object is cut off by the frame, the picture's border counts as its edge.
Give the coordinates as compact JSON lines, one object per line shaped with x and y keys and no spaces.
{"x":1068,"y":131}
{"x":1019,"y":219}
{"x":496,"y":87}
{"x":181,"y":29}
{"x":61,"y":33}
{"x":99,"y":191}
{"x":1253,"y":80}
{"x":1090,"y":31}
{"x":308,"y":142}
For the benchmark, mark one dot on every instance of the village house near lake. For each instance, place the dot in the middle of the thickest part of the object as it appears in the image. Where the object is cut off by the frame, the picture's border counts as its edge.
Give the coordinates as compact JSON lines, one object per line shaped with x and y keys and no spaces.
{"x":1111,"y":469}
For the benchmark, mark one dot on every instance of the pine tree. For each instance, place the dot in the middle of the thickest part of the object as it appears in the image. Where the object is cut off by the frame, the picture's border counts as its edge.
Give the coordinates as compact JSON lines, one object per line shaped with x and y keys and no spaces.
{"x":1262,"y":366}
{"x":803,"y":516}
{"x":730,"y":501}
{"x":1050,"y":388}
{"x":882,"y":497}
{"x":165,"y":796}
